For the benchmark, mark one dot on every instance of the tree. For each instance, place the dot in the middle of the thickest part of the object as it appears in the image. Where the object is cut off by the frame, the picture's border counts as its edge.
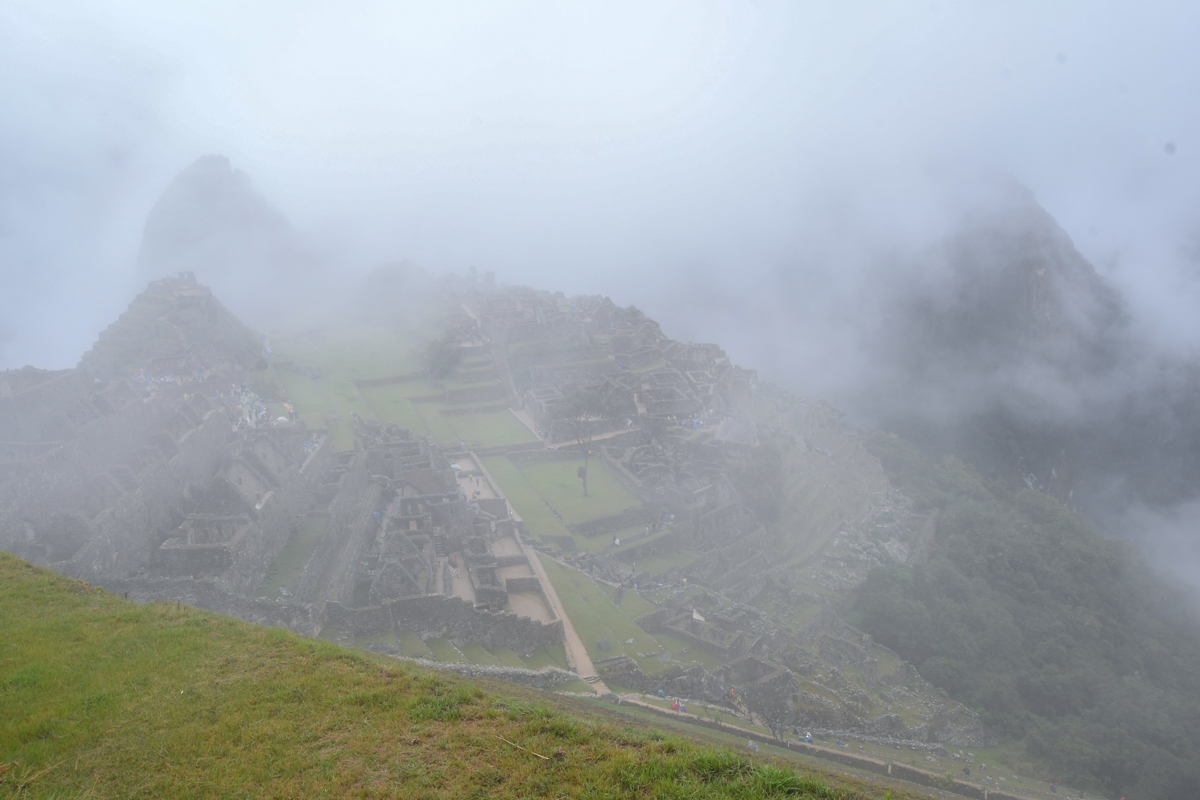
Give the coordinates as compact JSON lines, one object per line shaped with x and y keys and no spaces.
{"x":773,"y":703}
{"x":578,"y":413}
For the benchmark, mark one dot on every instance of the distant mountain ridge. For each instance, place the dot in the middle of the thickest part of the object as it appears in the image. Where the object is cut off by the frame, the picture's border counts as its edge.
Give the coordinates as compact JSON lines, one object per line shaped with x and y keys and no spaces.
{"x":1011,"y":352}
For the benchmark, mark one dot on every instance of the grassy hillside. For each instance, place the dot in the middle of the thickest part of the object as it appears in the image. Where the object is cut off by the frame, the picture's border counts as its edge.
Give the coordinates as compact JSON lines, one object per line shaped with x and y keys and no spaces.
{"x":106,"y":698}
{"x":1059,"y":637}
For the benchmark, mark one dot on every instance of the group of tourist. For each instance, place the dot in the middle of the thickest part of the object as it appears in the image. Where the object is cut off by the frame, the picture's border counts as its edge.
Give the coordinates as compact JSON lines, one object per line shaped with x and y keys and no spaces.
{"x":251,"y":410}
{"x":153,"y":381}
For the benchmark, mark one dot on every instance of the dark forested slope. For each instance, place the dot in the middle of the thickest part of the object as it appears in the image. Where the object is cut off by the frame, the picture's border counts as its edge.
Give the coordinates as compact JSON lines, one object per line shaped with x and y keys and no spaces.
{"x":1058,"y":636}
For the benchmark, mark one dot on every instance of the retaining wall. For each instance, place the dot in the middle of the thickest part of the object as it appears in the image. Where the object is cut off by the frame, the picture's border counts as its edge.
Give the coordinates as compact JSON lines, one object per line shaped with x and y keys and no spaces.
{"x":452,"y":618}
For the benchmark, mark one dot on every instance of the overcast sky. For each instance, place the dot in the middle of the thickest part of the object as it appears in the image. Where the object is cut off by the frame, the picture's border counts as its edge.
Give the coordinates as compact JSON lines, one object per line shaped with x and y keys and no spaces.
{"x":628,"y":149}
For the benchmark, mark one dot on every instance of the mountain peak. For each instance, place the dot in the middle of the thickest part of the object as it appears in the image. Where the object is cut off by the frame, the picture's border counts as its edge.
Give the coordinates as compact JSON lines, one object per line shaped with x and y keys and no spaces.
{"x":210,"y":220}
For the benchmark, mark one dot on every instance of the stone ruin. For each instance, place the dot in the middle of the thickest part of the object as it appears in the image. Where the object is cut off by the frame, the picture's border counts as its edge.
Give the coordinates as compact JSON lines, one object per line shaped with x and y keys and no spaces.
{"x":154,"y":470}
{"x":685,"y":427}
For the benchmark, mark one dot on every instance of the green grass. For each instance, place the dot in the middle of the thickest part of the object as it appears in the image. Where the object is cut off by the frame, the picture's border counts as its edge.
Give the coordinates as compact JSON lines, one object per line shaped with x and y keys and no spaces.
{"x":694,"y":654}
{"x":595,"y":616}
{"x":444,"y":650}
{"x":579,"y":687}
{"x":107,"y":698}
{"x":507,"y":657}
{"x":390,"y":404}
{"x":289,"y":565}
{"x":477,"y":655}
{"x":661,"y":562}
{"x":411,"y":645}
{"x":557,"y":482}
{"x":342,"y":358}
{"x":368,"y":353}
{"x":362,"y":640}
{"x":538,"y":519}
{"x":553,"y":655}
{"x":490,"y":429}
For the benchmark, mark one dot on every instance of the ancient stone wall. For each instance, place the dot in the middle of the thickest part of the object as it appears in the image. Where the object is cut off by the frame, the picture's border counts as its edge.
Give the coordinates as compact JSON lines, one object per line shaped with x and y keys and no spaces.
{"x":207,"y":594}
{"x":528,"y":583}
{"x":452,"y":618}
{"x":342,"y":510}
{"x":126,"y":533}
{"x":544,"y":678}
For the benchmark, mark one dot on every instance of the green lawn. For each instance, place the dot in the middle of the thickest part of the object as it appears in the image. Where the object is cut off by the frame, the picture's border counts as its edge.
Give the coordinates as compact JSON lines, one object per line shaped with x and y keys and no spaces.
{"x":489,"y":429}
{"x":411,"y":645}
{"x":538,"y":519}
{"x":371,"y":353}
{"x":342,"y":357}
{"x":661,"y":562}
{"x":391,"y":404}
{"x":595,"y":616}
{"x":676,"y":647}
{"x":557,"y":482}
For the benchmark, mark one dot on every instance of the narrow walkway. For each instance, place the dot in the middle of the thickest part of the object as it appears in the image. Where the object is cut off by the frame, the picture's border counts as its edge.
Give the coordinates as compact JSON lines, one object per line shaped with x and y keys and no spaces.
{"x":460,"y":581}
{"x":576,"y":652}
{"x":470,"y":484}
{"x":577,"y":656}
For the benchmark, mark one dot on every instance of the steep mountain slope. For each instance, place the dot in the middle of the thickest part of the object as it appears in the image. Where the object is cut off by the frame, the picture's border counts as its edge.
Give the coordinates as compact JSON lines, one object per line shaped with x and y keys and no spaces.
{"x":1061,"y":638}
{"x":1008,"y":350}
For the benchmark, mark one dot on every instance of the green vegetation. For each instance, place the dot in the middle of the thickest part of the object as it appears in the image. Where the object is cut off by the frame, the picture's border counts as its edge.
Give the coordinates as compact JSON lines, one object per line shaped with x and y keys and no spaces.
{"x":595,"y":616}
{"x":661,"y":562}
{"x":373,"y":353}
{"x":444,"y":650}
{"x":1060,"y":638}
{"x":529,"y":485}
{"x":488,"y":429}
{"x":539,"y":520}
{"x":411,"y":645}
{"x":105,"y":698}
{"x":339,"y":359}
{"x":557,"y":482}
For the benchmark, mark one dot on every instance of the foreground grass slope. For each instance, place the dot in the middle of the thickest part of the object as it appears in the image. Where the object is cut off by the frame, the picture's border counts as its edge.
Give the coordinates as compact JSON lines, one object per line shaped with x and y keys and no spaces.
{"x":106,"y":698}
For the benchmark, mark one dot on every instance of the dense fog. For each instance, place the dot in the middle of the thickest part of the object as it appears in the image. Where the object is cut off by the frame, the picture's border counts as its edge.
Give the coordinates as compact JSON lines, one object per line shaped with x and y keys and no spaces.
{"x":828,"y":191}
